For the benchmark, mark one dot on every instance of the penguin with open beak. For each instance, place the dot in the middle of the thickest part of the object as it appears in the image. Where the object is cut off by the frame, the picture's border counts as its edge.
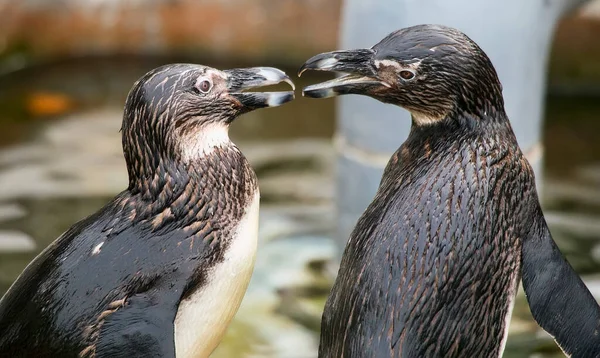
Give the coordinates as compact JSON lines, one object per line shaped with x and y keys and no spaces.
{"x":433,"y":264}
{"x":159,"y":271}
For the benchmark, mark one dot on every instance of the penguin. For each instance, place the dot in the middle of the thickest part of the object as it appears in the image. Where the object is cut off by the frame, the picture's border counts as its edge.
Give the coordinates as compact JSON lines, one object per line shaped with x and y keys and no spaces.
{"x":159,"y":271}
{"x":432,"y":266}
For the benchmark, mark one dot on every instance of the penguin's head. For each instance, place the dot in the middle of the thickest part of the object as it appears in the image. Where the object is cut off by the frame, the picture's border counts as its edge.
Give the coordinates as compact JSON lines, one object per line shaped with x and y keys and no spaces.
{"x":430,"y":70}
{"x":180,"y":112}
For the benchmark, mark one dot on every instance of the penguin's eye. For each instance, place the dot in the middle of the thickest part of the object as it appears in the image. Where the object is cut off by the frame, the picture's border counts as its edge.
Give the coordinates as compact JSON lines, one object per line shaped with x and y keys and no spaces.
{"x":407,"y":75}
{"x":203,"y":85}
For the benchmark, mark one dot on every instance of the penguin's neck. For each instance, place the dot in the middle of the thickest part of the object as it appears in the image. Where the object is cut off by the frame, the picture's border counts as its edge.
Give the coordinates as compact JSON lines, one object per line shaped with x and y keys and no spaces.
{"x":199,"y":144}
{"x":459,"y":126}
{"x":185,"y":191}
{"x":427,"y":144}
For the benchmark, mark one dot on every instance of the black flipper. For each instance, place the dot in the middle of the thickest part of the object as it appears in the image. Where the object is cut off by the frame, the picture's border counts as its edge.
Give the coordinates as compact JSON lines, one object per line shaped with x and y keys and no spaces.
{"x":559,"y":300}
{"x":143,"y":327}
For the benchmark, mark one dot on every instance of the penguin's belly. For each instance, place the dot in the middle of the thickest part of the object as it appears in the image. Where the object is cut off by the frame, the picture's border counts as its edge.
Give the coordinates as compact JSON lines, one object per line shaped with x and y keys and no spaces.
{"x":203,"y":317}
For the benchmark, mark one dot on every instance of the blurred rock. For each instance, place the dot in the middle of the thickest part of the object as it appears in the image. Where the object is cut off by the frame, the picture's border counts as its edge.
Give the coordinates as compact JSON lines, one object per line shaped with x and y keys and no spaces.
{"x":559,"y":191}
{"x":300,"y":170}
{"x":283,"y":263}
{"x":304,"y":310}
{"x":580,"y":225}
{"x":15,"y":242}
{"x":591,"y":174}
{"x":286,"y":220}
{"x":11,"y":211}
{"x":313,"y":153}
{"x":304,"y":188}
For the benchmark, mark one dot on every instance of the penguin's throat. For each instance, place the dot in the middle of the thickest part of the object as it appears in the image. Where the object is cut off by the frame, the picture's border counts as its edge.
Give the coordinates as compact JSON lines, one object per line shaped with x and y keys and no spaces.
{"x":425,"y":119}
{"x":200,"y":143}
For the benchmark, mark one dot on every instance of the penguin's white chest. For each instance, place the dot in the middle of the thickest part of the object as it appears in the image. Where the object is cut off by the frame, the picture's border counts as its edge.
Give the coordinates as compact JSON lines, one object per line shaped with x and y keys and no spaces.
{"x":202,"y":319}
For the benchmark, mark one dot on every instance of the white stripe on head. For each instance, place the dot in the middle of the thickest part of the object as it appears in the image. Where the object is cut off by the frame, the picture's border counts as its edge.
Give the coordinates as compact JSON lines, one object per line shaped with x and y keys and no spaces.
{"x":391,"y":63}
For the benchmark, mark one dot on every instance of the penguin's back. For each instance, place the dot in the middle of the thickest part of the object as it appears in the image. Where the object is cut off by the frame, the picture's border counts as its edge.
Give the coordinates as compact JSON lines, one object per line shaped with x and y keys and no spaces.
{"x":442,"y":231}
{"x":58,"y":305}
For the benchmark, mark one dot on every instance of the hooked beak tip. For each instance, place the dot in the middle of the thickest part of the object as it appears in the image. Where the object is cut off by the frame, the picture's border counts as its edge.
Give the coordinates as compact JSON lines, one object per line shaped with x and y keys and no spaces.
{"x":321,"y":62}
{"x":274,"y":76}
{"x":289,"y":81}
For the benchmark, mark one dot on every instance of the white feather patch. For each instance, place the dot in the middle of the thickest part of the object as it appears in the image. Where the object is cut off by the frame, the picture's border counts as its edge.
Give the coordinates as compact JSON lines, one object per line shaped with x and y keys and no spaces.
{"x":96,"y":249}
{"x":204,"y":141}
{"x":424,"y":120}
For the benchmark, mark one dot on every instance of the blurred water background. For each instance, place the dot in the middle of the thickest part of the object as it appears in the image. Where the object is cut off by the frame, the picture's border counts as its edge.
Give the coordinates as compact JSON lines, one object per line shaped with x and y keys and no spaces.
{"x":65,"y":70}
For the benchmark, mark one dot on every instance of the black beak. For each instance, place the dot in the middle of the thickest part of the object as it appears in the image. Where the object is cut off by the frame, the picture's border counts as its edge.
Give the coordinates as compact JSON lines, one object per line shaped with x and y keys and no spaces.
{"x":359,"y":66}
{"x":241,"y":79}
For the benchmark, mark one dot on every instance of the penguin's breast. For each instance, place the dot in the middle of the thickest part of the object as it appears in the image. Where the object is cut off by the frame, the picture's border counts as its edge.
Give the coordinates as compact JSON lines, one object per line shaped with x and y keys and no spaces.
{"x":202,"y":318}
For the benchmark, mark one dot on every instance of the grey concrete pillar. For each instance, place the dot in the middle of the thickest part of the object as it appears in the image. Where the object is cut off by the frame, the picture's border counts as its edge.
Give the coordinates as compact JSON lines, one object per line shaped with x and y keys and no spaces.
{"x":515,"y":34}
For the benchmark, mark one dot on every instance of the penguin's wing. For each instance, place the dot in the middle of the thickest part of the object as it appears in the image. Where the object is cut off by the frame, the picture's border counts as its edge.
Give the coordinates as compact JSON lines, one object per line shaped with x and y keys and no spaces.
{"x":559,"y":300}
{"x":142,"y":327}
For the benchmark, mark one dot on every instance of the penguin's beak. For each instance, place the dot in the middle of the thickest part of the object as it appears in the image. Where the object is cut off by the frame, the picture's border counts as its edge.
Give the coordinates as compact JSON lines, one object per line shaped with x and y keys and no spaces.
{"x":360,"y":73}
{"x":242,"y":79}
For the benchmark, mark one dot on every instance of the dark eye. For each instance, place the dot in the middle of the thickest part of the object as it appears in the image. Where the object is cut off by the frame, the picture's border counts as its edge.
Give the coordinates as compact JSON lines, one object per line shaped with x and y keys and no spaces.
{"x":407,"y":75}
{"x":204,"y":86}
